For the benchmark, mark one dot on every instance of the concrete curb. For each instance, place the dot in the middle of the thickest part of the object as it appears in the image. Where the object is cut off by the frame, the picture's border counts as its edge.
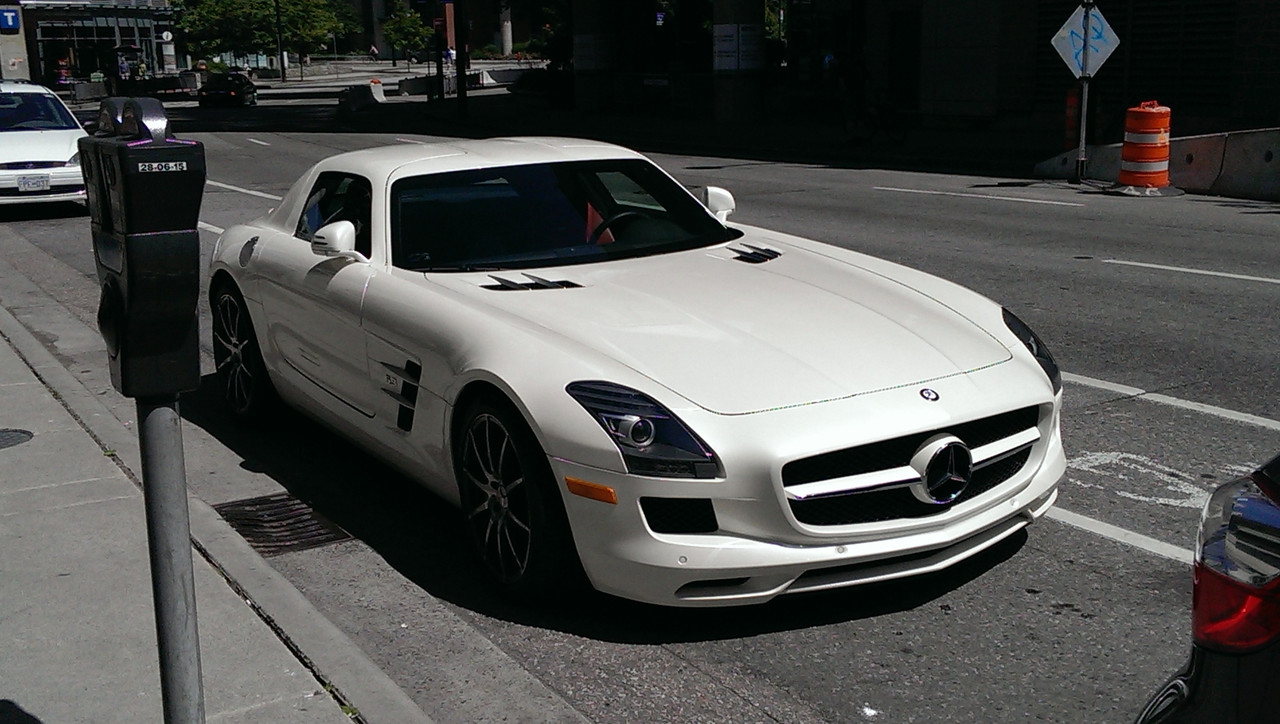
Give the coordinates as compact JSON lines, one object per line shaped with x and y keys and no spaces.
{"x":331,"y":656}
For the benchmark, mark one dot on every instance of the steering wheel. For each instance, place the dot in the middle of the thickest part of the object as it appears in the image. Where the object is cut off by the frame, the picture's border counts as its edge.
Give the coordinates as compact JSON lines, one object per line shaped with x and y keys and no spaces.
{"x":603,"y":225}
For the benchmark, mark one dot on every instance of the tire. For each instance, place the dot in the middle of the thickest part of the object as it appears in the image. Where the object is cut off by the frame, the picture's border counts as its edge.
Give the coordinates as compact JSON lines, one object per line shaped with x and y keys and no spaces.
{"x":511,"y":508}
{"x":245,"y":388}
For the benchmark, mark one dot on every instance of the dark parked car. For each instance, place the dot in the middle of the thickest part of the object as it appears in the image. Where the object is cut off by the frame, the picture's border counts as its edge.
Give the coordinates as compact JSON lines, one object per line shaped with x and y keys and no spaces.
{"x":228,"y":89}
{"x":1235,"y":618}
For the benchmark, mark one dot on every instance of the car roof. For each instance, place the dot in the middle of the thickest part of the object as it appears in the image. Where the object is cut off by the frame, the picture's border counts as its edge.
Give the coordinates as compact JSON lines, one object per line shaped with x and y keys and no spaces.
{"x":411,"y":159}
{"x":20,"y":86}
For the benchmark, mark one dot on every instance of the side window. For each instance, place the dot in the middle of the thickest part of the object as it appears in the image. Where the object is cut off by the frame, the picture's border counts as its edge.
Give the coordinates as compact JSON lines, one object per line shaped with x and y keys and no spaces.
{"x":339,"y":197}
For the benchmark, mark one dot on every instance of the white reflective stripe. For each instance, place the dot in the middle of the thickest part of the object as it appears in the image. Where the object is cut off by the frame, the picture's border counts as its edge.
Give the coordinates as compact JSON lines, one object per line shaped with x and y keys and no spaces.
{"x":1157,"y":138}
{"x":1144,"y":167}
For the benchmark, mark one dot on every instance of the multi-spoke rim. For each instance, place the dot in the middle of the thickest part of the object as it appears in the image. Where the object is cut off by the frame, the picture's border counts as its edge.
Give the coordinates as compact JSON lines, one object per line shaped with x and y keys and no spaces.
{"x":497,"y":499}
{"x":232,"y":340}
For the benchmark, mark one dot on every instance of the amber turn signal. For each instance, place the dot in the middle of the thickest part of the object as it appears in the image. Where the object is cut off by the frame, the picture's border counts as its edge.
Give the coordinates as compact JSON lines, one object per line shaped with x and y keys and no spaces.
{"x":594,"y":491}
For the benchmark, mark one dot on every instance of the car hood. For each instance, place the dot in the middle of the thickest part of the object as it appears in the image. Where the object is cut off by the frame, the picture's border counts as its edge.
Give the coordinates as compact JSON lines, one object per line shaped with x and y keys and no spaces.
{"x":736,"y":337}
{"x":51,"y":145}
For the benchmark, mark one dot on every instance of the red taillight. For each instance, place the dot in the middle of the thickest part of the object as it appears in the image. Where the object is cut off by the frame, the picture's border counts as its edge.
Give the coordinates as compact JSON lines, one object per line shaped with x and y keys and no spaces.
{"x":1231,"y":616}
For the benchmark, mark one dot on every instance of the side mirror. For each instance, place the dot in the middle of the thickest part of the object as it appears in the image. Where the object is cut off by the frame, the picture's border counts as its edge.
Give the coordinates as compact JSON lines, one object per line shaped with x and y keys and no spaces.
{"x":336,"y":239}
{"x":718,"y":201}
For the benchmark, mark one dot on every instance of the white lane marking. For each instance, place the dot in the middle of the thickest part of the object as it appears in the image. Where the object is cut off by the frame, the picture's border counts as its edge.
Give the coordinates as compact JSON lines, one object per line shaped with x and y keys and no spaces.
{"x":251,"y":192}
{"x":975,"y":196}
{"x":1263,"y":422}
{"x":408,"y":140}
{"x":1188,"y":270}
{"x":1118,"y":534}
{"x":1147,"y":473}
{"x":210,"y":227}
{"x":260,"y":143}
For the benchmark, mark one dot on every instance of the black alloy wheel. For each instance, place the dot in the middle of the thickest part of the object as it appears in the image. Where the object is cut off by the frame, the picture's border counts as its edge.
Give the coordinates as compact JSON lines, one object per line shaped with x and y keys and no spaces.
{"x":511,"y":508}
{"x":240,"y":371}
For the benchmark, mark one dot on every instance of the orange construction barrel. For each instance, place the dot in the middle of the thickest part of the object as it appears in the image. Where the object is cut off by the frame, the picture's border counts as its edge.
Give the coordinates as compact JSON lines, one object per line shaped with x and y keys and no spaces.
{"x":1144,"y":158}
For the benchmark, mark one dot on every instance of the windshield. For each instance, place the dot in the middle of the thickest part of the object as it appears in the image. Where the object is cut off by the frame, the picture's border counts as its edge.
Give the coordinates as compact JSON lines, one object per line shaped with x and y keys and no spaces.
{"x":519,"y":217}
{"x":33,"y":112}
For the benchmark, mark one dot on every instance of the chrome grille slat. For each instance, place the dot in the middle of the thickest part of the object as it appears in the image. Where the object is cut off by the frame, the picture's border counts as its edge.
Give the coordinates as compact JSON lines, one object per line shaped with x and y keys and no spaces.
{"x":869,"y":483}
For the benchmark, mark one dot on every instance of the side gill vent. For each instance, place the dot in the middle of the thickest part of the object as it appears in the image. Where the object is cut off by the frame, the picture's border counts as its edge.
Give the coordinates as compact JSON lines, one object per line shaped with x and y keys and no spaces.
{"x":504,"y":285}
{"x":755,"y":254}
{"x":403,"y":388}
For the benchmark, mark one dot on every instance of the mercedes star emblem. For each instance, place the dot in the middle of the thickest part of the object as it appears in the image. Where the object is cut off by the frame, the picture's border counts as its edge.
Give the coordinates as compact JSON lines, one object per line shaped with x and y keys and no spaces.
{"x":945,"y":466}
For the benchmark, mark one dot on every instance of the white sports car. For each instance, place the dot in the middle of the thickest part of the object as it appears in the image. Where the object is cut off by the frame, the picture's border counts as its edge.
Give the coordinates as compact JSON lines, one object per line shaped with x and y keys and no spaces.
{"x":599,"y":369}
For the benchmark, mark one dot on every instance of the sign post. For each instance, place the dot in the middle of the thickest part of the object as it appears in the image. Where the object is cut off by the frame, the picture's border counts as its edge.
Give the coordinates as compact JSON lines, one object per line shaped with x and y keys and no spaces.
{"x":1084,"y":42}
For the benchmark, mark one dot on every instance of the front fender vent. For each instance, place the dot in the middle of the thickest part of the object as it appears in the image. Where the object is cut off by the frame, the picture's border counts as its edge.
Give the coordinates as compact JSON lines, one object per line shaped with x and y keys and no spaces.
{"x":755,"y":254}
{"x":507,"y":285}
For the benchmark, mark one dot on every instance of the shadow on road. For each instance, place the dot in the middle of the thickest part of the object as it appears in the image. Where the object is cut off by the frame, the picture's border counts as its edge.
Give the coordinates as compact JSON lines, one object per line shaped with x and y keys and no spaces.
{"x":422,"y":537}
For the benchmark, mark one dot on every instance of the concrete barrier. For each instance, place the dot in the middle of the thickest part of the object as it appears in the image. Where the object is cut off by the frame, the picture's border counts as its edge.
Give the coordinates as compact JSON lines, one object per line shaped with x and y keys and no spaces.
{"x":1196,"y":161}
{"x":504,"y":76}
{"x":359,"y":97}
{"x":1250,"y":166}
{"x":1240,"y":164}
{"x":91,"y":91}
{"x":419,"y":85}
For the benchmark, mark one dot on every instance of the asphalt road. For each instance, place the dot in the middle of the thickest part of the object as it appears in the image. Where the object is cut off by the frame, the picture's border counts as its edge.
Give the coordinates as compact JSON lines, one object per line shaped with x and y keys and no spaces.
{"x":1174,"y":297}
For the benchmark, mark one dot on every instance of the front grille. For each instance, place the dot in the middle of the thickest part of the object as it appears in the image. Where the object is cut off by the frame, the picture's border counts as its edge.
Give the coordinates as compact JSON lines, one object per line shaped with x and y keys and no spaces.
{"x":898,"y":451}
{"x":894,"y":503}
{"x":679,"y":515}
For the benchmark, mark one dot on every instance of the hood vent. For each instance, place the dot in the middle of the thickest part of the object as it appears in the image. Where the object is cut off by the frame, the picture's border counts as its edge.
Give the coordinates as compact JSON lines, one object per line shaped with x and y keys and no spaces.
{"x":755,"y":254}
{"x":504,"y":285}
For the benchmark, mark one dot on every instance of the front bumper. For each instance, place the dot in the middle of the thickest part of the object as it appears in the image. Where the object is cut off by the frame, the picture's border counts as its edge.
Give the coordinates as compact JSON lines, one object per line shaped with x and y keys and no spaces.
{"x":65,"y":183}
{"x":759,"y":550}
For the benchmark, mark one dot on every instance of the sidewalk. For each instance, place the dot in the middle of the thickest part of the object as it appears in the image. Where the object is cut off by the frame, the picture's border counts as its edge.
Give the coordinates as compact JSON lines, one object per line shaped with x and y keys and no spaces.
{"x":76,"y":614}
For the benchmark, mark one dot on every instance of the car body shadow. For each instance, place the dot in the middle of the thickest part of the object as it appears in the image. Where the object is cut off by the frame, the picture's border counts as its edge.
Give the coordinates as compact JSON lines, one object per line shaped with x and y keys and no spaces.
{"x":422,"y":537}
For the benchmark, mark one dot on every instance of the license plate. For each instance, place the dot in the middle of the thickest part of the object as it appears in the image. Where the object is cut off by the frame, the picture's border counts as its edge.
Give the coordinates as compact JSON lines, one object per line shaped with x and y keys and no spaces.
{"x":33,"y":183}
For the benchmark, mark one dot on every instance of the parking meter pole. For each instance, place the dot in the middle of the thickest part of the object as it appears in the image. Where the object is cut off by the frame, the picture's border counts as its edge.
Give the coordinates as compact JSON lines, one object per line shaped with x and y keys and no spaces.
{"x":143,"y":189}
{"x":164,"y":486}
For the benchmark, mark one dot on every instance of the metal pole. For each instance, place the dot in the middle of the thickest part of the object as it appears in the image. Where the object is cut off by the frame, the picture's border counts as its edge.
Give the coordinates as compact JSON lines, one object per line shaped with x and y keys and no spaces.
{"x":462,"y":61}
{"x":164,"y":487}
{"x":1081,"y":160}
{"x":280,"y":57}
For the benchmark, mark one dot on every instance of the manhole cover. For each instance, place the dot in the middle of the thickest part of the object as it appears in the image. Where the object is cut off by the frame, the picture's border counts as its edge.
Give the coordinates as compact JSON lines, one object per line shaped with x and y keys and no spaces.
{"x":10,"y":437}
{"x":281,"y":523}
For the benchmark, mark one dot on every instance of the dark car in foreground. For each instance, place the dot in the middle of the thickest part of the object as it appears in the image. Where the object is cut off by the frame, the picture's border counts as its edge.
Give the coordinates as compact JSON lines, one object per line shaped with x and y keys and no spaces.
{"x":1234,"y":668}
{"x":232,"y":89}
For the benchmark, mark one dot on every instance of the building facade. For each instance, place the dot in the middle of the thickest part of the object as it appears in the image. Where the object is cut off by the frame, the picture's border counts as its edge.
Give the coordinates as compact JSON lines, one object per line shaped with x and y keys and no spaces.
{"x":62,"y":40}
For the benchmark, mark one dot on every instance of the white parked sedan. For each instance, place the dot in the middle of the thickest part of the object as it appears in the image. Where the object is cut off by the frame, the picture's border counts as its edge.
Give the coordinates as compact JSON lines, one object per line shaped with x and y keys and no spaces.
{"x":599,"y":369}
{"x":39,"y":160}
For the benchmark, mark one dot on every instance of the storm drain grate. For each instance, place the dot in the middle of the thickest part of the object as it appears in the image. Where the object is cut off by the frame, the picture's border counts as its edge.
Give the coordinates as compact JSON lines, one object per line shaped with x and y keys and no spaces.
{"x":12,"y":437}
{"x":281,"y":523}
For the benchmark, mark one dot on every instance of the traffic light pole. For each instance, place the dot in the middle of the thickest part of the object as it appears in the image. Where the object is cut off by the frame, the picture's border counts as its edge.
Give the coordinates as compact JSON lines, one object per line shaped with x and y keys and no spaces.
{"x":164,"y":488}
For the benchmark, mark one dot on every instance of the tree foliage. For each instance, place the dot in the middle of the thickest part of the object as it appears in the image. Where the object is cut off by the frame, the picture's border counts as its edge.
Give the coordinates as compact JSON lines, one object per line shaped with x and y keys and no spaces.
{"x":245,"y":27}
{"x":405,"y":31}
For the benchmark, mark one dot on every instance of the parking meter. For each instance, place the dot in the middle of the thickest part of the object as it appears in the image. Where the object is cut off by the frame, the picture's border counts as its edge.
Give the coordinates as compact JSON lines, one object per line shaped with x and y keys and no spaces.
{"x":144,"y":188}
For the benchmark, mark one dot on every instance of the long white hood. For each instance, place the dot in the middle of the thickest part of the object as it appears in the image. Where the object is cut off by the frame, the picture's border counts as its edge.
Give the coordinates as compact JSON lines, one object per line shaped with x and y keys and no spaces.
{"x":735,"y":337}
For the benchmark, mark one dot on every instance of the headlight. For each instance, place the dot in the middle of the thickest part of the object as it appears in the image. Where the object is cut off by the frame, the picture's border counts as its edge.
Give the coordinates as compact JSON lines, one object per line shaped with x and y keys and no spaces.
{"x":652,"y":440}
{"x":1036,"y":347}
{"x":74,"y":160}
